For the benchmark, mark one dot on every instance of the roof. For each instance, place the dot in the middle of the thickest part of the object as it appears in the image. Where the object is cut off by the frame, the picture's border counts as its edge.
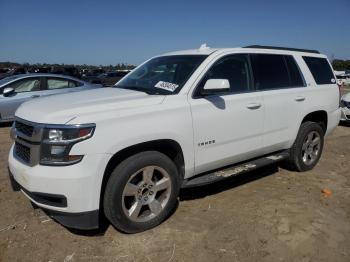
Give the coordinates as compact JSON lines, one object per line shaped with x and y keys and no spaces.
{"x":42,"y":75}
{"x":193,"y":52}
{"x":283,"y":48}
{"x":204,"y":50}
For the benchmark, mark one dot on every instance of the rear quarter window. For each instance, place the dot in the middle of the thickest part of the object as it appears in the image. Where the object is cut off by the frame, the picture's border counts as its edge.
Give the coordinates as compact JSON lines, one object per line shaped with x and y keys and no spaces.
{"x":320,"y":70}
{"x":73,"y":83}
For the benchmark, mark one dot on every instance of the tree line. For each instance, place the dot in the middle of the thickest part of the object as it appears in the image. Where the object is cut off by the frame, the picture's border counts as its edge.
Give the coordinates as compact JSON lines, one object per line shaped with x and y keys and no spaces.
{"x":338,"y":64}
{"x":119,"y":66}
{"x":341,"y":65}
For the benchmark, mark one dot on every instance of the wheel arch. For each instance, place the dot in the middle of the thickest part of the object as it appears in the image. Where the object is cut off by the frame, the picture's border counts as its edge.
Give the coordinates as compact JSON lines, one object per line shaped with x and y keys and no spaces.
{"x":319,"y":116}
{"x":169,"y":147}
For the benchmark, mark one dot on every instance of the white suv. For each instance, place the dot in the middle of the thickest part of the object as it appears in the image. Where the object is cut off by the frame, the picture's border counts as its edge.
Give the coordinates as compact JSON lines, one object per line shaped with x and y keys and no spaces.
{"x":181,"y":119}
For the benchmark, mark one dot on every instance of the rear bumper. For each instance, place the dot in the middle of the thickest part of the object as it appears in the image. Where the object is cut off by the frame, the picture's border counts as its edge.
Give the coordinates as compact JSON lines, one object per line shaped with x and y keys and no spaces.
{"x":333,"y":120}
{"x":82,"y":220}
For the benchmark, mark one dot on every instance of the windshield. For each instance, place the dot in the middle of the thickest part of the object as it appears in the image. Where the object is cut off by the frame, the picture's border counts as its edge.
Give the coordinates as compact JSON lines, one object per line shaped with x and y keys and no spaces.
{"x":162,"y":75}
{"x":7,"y":79}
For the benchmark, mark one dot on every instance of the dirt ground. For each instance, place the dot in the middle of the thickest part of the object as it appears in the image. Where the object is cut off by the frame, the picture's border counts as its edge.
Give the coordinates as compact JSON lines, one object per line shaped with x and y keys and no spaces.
{"x":269,"y":215}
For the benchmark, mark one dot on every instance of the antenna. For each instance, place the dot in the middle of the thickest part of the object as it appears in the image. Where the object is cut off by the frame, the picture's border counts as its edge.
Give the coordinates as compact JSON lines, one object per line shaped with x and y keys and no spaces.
{"x":204,"y":47}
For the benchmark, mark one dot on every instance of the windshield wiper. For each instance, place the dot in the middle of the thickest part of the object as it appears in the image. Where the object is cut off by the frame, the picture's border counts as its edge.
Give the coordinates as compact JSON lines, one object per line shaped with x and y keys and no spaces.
{"x":140,"y":89}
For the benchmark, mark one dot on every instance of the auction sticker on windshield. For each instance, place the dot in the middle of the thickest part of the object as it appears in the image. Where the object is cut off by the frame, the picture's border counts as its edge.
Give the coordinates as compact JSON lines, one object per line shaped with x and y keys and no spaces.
{"x":167,"y":86}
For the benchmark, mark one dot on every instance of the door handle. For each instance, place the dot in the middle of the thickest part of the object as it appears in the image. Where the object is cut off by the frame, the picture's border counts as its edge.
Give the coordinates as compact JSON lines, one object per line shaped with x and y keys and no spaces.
{"x":35,"y":96}
{"x":300,"y":98}
{"x":254,"y":105}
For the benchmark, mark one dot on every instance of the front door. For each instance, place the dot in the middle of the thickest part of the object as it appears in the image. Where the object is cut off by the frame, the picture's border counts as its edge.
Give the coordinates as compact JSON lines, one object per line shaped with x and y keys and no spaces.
{"x":25,"y":89}
{"x":227,"y":127}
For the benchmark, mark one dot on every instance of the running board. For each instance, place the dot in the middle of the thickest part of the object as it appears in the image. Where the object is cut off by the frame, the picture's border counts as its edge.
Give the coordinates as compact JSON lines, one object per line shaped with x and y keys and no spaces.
{"x":234,"y":170}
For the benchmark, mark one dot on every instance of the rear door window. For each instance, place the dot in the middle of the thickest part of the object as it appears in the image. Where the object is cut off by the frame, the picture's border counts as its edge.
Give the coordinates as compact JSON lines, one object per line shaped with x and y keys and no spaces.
{"x":270,"y":71}
{"x":320,"y":70}
{"x":59,"y":83}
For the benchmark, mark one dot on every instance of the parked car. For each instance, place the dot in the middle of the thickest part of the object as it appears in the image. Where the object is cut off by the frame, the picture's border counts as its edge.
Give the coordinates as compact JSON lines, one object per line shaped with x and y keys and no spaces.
{"x":343,"y":79}
{"x":91,"y":76}
{"x":67,"y":71}
{"x":345,"y":105}
{"x":110,"y":78}
{"x":15,"y":90}
{"x":179,"y":120}
{"x":41,"y":70}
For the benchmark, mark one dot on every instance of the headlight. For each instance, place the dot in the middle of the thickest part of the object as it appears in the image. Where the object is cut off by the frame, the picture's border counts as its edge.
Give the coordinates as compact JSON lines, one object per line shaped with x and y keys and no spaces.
{"x":59,"y":140}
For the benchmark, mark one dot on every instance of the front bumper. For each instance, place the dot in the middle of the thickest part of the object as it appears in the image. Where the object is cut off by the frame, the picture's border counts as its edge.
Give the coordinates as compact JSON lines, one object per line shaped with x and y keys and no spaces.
{"x":84,"y":220}
{"x":71,"y":194}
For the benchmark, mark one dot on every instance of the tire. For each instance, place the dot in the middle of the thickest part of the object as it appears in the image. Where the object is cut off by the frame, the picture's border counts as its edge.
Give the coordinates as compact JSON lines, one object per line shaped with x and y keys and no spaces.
{"x":135,"y":199}
{"x":297,"y":160}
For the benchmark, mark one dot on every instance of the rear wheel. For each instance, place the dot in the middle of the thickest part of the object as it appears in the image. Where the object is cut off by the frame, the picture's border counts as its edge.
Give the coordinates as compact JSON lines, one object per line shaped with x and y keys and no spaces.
{"x":141,"y":192}
{"x":307,"y":148}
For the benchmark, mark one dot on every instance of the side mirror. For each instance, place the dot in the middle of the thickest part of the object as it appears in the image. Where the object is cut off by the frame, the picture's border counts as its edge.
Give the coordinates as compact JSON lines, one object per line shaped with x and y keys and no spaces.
{"x":216,"y":86}
{"x":8,"y":91}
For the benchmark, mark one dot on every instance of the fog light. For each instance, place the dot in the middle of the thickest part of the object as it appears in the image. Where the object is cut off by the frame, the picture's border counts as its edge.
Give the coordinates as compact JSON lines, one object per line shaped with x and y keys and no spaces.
{"x":57,"y":150}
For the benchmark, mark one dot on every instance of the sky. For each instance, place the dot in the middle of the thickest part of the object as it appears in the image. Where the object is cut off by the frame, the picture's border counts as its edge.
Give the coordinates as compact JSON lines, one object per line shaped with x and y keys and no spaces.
{"x":104,"y":32}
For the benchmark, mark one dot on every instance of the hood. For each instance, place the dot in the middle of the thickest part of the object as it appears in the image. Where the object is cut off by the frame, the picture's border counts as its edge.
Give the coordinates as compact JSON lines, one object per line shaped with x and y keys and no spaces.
{"x":62,"y":108}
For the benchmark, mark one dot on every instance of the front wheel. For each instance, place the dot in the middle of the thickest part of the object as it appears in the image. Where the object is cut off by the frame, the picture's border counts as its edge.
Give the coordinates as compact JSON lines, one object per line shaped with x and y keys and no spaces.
{"x":307,"y":148}
{"x":141,"y":192}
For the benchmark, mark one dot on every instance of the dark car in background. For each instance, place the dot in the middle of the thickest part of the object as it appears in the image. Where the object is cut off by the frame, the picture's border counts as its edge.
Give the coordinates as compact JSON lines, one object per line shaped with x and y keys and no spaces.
{"x":68,"y":71}
{"x":91,"y":76}
{"x":12,"y":72}
{"x":111,"y":78}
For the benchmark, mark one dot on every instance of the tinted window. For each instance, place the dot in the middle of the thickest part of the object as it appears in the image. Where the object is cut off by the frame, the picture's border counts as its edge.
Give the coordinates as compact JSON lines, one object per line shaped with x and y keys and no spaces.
{"x":320,"y":70}
{"x":235,"y":69}
{"x":270,"y":71}
{"x":26,"y":85}
{"x":295,"y":78}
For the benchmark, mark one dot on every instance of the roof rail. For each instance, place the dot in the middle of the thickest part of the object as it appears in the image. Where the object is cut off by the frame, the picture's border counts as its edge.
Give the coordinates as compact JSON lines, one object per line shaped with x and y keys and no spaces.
{"x":282,"y":48}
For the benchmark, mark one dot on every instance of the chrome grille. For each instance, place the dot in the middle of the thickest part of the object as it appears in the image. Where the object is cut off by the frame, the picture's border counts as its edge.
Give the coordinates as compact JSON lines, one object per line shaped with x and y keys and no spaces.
{"x":22,"y":152}
{"x":24,"y":128}
{"x":27,"y":136}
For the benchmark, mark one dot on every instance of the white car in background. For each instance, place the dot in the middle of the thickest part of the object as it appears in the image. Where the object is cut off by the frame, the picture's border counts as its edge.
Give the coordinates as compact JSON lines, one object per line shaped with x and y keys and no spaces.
{"x":343,"y":77}
{"x":17,"y":89}
{"x":345,"y":105}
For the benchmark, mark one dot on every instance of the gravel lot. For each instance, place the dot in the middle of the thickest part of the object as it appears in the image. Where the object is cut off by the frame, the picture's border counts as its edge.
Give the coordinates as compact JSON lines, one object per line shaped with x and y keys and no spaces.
{"x":269,"y":215}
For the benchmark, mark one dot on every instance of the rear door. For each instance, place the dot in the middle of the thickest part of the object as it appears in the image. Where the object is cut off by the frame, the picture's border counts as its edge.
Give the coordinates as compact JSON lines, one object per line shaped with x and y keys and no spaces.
{"x":25,"y":89}
{"x":282,"y":86}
